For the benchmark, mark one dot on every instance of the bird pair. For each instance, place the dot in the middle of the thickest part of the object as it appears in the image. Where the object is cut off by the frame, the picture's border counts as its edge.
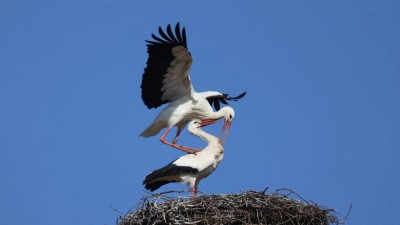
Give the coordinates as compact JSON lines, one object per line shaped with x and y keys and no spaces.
{"x":166,"y":80}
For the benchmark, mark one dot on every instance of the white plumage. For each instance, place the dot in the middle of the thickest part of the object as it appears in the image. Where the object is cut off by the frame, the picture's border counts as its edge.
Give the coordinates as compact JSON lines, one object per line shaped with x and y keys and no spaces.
{"x":166,"y":80}
{"x":191,"y":168}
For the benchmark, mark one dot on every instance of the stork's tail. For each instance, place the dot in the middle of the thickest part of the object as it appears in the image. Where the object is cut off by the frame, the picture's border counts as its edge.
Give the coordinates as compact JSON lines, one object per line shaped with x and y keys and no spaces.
{"x":156,"y":179}
{"x":151,"y":130}
{"x":152,"y":185}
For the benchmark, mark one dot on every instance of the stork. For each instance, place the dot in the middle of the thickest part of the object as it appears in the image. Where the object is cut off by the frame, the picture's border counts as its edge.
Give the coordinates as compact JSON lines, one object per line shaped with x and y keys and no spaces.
{"x":166,"y":80}
{"x":190,"y":168}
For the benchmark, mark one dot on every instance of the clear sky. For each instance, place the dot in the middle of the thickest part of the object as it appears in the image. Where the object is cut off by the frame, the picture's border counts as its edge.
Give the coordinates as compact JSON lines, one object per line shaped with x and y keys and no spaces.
{"x":321,"y":115}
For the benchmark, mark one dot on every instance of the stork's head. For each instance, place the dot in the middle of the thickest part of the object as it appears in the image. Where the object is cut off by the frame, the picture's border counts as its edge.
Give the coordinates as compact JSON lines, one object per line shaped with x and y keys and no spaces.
{"x":193,"y":126}
{"x":229,"y":114}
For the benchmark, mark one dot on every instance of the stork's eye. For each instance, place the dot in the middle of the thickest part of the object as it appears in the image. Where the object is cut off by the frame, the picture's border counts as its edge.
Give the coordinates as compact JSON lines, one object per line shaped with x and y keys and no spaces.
{"x":196,"y":122}
{"x":230,"y":116}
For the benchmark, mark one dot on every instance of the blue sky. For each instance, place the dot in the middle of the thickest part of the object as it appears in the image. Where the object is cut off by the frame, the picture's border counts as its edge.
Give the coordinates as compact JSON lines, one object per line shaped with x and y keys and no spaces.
{"x":321,"y":115}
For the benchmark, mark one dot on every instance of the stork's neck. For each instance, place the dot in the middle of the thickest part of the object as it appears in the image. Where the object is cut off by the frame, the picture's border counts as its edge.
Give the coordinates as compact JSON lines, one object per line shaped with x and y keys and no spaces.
{"x":218,"y":114}
{"x":210,"y":139}
{"x":214,"y":144}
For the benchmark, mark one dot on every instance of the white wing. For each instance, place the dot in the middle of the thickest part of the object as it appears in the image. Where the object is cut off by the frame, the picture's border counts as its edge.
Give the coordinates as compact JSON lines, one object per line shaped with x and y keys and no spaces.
{"x":166,"y":77}
{"x":200,"y":161}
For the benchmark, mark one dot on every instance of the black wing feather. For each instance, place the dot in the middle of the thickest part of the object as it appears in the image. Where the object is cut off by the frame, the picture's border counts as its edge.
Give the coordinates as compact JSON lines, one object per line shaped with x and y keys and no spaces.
{"x":217,"y":99}
{"x":171,"y":34}
{"x":163,"y":35}
{"x":178,"y":34}
{"x":160,"y":40}
{"x":237,"y":97}
{"x":160,"y":58}
{"x":223,"y":101}
{"x":210,"y":101}
{"x":217,"y":106}
{"x":152,"y":42}
{"x":155,"y":179}
{"x":184,"y":38}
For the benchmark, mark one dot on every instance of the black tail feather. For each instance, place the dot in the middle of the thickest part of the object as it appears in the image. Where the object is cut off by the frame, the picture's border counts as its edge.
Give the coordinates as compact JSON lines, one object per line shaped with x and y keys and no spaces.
{"x":152,"y":186}
{"x":165,"y":175}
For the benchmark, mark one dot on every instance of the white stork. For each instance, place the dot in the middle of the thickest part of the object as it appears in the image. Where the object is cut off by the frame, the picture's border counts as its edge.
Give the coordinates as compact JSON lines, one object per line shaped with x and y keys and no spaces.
{"x":166,"y":80}
{"x":190,"y":168}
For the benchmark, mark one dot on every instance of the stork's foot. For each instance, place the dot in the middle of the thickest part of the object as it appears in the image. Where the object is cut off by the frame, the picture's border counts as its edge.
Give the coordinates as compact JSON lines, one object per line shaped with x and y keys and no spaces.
{"x":181,"y":147}
{"x":187,"y":149}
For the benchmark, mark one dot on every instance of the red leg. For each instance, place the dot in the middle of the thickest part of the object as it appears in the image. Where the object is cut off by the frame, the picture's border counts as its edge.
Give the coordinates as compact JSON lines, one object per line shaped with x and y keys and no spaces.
{"x":180,"y":147}
{"x":193,"y":191}
{"x":176,"y":136}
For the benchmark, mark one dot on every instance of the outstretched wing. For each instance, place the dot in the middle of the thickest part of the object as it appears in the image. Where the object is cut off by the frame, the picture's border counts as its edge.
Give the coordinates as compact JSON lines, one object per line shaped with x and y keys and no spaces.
{"x":222,"y":98}
{"x":166,"y":77}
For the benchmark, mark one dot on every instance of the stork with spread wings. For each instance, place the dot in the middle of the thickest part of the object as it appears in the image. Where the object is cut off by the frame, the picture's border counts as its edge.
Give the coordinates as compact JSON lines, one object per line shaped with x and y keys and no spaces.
{"x":166,"y":79}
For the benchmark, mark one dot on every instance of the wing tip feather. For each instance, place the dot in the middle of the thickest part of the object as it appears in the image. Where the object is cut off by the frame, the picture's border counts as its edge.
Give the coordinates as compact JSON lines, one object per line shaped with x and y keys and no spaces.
{"x":169,"y":38}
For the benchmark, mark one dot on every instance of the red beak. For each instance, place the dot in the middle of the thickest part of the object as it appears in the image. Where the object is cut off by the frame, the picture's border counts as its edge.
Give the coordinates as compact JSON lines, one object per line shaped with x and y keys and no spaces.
{"x":204,"y":123}
{"x":226,"y":127}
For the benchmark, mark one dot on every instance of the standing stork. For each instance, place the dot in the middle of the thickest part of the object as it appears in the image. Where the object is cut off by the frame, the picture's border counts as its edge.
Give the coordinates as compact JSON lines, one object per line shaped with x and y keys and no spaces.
{"x":166,"y":80}
{"x":191,"y":168}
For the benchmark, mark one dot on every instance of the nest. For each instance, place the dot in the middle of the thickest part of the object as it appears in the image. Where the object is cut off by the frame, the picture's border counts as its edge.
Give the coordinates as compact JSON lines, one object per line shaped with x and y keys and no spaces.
{"x":248,"y":207}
